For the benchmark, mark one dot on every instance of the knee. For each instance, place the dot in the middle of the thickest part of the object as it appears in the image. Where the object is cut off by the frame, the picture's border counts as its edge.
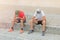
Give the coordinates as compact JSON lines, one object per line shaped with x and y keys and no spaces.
{"x":22,"y":21}
{"x":13,"y":21}
{"x":44,"y":22}
{"x":31,"y":21}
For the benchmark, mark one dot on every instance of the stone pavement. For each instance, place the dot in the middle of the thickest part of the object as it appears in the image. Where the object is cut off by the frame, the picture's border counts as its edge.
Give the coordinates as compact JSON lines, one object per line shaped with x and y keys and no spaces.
{"x":52,"y":32}
{"x":15,"y":35}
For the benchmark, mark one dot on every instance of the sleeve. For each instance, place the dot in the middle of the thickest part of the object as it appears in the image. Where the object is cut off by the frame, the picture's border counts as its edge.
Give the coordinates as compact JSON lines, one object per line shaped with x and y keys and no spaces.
{"x":35,"y":14}
{"x":42,"y":13}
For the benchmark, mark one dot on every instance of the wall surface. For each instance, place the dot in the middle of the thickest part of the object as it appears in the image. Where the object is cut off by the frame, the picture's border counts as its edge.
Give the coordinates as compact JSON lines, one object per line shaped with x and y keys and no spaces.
{"x":8,"y":7}
{"x":42,"y":3}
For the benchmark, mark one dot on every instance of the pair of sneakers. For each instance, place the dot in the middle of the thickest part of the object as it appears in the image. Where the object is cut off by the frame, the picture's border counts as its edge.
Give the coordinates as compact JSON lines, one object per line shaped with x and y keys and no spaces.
{"x":21,"y":31}
{"x":11,"y":29}
{"x":31,"y":31}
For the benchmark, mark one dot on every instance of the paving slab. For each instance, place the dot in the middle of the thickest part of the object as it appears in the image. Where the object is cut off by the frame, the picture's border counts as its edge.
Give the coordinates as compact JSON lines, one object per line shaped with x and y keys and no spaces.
{"x":15,"y":35}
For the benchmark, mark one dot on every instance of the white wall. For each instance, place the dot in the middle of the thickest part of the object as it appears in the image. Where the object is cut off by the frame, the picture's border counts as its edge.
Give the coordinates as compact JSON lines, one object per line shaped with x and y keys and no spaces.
{"x":42,"y":3}
{"x":7,"y":7}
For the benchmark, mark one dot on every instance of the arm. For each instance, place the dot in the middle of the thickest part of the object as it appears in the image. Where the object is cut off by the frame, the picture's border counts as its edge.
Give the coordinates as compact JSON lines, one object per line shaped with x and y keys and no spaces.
{"x":44,"y":18}
{"x":34,"y":16}
{"x":24,"y":17}
{"x":14,"y":16}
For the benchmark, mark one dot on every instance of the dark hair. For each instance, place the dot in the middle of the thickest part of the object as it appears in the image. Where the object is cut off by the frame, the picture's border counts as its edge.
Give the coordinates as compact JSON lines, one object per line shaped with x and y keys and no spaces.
{"x":38,"y":12}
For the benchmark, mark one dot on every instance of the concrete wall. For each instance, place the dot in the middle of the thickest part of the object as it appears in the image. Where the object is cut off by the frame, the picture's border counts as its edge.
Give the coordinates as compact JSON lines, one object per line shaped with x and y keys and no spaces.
{"x":8,"y":7}
{"x":42,"y":3}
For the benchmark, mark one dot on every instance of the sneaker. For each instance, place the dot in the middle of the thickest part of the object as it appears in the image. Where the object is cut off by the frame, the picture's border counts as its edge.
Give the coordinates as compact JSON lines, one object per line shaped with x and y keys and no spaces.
{"x":31,"y":31}
{"x":43,"y":33}
{"x":21,"y":31}
{"x":11,"y":29}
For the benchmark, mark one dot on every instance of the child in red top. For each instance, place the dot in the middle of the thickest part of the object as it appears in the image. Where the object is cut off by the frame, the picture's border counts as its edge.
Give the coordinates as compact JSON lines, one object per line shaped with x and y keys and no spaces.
{"x":19,"y":17}
{"x":21,"y":14}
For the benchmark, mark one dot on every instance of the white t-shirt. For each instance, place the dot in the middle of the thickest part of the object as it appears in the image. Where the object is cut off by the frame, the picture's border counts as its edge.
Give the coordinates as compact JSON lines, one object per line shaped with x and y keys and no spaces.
{"x":40,"y":15}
